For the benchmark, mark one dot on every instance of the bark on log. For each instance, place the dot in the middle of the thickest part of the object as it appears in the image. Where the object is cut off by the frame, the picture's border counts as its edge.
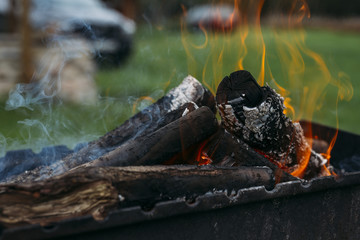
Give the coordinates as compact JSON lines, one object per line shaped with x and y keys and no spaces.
{"x":156,"y":148}
{"x":96,"y":190}
{"x":146,"y":121}
{"x":255,"y":115}
{"x":150,"y":149}
{"x":188,"y":95}
{"x":225,"y":150}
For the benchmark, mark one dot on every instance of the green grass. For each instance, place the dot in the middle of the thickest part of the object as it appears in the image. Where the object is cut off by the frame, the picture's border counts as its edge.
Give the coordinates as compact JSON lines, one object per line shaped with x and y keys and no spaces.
{"x":160,"y":62}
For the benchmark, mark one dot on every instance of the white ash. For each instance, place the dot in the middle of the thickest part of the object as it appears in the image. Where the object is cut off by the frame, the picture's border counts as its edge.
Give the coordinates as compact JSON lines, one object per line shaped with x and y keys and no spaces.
{"x":227,"y":112}
{"x":190,"y":90}
{"x":266,"y":128}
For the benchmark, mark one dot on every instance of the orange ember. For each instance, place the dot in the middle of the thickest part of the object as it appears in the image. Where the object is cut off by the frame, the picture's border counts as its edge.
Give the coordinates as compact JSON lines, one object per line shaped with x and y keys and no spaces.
{"x":202,"y":157}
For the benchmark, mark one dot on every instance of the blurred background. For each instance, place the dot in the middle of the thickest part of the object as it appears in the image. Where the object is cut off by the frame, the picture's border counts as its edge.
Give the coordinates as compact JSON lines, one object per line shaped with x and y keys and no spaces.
{"x":72,"y":70}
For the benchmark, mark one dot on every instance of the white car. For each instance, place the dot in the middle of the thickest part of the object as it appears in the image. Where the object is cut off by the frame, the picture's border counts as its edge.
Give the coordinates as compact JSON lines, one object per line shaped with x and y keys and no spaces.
{"x":108,"y":31}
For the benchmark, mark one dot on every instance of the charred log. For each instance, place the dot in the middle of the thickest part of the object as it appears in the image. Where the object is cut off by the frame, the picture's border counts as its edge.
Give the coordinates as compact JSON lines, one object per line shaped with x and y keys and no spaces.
{"x":225,"y":150}
{"x":255,"y":115}
{"x":17,"y":161}
{"x":186,"y":97}
{"x":150,"y":149}
{"x":146,"y":121}
{"x":164,"y":143}
{"x":94,"y":191}
{"x":228,"y":150}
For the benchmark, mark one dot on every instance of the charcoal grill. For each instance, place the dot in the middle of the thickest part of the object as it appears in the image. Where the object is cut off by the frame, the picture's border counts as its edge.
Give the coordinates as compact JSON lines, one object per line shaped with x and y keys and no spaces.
{"x":323,"y":208}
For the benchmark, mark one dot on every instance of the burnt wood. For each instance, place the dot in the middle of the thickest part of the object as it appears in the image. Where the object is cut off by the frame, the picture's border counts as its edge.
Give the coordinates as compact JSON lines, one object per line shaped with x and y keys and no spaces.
{"x":161,"y":145}
{"x":255,"y":115}
{"x":225,"y":150}
{"x":187,"y":96}
{"x":228,"y":150}
{"x":151,"y":149}
{"x":96,"y":190}
{"x":145,"y":122}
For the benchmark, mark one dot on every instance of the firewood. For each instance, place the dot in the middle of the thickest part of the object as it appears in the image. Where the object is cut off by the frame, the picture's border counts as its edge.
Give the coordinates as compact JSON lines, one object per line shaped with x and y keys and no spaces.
{"x":164,"y":143}
{"x":97,"y":190}
{"x":17,"y":161}
{"x":145,"y":122}
{"x":226,"y":150}
{"x":150,"y":149}
{"x":189,"y":95}
{"x":255,"y":115}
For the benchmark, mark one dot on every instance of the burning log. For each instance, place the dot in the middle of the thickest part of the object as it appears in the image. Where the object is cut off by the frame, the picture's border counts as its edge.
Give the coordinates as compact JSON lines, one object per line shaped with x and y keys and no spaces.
{"x":228,"y":150}
{"x":145,"y":122}
{"x":97,"y":190}
{"x":186,"y":97}
{"x":225,"y":150}
{"x":151,"y":149}
{"x":255,"y":115}
{"x":164,"y":143}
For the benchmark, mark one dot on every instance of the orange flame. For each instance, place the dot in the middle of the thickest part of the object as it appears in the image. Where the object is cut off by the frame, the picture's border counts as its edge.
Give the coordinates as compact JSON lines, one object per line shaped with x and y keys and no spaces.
{"x":302,"y":76}
{"x":140,"y":99}
{"x":202,"y":157}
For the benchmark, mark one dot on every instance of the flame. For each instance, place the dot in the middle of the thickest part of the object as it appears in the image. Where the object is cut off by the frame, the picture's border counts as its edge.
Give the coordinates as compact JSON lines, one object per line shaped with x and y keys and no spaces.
{"x":139,"y":100}
{"x":280,"y":59}
{"x":202,"y":157}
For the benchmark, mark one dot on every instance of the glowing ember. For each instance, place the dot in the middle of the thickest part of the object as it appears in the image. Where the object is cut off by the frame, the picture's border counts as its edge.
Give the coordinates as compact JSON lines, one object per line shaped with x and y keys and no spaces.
{"x":202,"y":157}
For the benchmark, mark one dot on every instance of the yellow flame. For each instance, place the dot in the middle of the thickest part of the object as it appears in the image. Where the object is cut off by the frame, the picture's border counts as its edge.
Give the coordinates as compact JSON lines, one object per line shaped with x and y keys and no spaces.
{"x":301,"y":77}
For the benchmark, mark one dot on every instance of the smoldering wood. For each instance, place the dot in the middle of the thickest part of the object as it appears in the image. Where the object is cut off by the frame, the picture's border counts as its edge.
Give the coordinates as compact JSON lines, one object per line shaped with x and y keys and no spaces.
{"x":28,"y":165}
{"x":97,"y":190}
{"x":17,"y":161}
{"x":225,"y":150}
{"x":188,"y":95}
{"x":228,"y":150}
{"x":151,"y":149}
{"x":164,"y":143}
{"x":145,"y":122}
{"x":255,"y":115}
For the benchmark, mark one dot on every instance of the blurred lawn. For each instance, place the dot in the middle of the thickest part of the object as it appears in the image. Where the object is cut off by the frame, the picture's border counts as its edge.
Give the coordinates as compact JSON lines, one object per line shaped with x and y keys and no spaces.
{"x":158,"y":63}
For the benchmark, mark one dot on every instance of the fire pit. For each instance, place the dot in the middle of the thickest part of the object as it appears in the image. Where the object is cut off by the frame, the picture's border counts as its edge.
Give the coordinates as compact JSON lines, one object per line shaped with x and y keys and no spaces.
{"x":326,"y":208}
{"x":243,"y":194}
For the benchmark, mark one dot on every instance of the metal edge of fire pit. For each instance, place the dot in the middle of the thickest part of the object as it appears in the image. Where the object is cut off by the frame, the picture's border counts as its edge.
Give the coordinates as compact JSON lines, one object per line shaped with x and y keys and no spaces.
{"x":120,"y":219}
{"x":324,"y":208}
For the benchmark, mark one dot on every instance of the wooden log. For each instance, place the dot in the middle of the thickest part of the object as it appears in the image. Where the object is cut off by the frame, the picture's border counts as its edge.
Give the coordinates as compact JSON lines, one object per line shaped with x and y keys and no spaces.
{"x":146,"y":121}
{"x":161,"y":145}
{"x":255,"y":115}
{"x":26,"y":164}
{"x":97,"y":190}
{"x":150,"y":149}
{"x":188,"y":95}
{"x":228,"y":150}
{"x":17,"y":161}
{"x":225,"y":150}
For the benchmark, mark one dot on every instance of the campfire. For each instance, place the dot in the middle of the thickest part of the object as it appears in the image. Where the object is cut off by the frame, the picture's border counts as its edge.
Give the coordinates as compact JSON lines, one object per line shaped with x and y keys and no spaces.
{"x":218,"y":160}
{"x":176,"y":148}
